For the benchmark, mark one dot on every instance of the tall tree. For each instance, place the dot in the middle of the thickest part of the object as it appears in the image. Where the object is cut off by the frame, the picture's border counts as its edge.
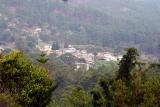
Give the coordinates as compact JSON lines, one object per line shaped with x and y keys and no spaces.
{"x":127,"y":64}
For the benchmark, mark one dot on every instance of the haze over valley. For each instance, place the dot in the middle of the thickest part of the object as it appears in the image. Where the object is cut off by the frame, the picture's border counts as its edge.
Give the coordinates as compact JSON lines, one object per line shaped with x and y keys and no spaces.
{"x":79,"y":53}
{"x":114,"y":24}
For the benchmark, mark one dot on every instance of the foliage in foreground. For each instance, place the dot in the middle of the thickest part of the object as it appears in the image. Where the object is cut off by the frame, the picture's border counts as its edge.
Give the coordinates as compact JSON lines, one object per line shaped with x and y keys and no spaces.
{"x":131,"y":87}
{"x":7,"y":101}
{"x":28,"y":83}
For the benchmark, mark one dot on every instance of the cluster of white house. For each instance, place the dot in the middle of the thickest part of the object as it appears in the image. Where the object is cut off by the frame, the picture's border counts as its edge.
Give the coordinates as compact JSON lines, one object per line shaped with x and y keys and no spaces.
{"x":88,"y":57}
{"x":81,"y":54}
{"x":108,"y":56}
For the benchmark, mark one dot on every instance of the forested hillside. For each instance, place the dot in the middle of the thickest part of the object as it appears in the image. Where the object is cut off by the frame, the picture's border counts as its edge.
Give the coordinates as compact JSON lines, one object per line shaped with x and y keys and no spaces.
{"x":116,"y":24}
{"x":79,"y":53}
{"x":24,"y":84}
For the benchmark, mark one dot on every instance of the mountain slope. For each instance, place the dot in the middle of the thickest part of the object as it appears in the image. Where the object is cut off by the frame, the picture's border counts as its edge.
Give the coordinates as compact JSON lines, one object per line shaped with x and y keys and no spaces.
{"x":111,"y":23}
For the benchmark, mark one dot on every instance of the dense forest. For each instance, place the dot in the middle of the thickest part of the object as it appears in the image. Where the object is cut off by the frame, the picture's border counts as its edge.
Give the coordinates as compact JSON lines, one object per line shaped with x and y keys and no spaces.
{"x":27,"y":84}
{"x":30,"y":77}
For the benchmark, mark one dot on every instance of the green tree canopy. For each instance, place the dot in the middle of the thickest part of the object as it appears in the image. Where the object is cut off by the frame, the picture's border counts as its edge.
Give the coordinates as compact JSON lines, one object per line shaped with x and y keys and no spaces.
{"x":30,"y":83}
{"x":127,"y":64}
{"x":76,"y":97}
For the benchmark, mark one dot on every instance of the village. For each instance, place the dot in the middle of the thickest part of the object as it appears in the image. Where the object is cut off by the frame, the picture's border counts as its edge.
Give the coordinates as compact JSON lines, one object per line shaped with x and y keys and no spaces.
{"x":88,"y":57}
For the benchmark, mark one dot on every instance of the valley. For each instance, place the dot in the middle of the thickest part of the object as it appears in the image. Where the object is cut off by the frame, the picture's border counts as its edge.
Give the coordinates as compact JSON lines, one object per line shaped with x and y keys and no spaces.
{"x":79,"y":53}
